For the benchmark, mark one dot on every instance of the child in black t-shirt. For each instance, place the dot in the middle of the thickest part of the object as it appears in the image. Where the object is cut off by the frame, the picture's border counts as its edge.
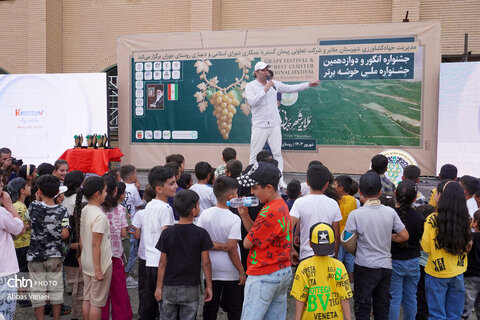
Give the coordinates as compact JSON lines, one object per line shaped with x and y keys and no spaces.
{"x":406,"y":255}
{"x":184,"y":246}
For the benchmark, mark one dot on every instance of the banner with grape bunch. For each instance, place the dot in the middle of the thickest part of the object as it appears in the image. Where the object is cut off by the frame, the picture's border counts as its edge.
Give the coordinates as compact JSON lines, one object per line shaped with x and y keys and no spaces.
{"x":370,"y":94}
{"x":204,"y":103}
{"x":224,"y":100}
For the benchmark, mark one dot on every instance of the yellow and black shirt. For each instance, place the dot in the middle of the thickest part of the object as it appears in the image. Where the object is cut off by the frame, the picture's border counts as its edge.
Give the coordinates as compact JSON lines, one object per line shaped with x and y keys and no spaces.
{"x":322,"y":283}
{"x":440,"y":264}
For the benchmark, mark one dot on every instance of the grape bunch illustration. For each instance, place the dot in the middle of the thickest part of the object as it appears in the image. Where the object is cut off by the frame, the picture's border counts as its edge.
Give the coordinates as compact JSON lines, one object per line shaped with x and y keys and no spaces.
{"x":223,"y":100}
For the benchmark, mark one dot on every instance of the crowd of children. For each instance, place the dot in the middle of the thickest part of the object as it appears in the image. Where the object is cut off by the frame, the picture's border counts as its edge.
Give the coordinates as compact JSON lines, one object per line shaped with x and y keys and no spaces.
{"x":319,"y":240}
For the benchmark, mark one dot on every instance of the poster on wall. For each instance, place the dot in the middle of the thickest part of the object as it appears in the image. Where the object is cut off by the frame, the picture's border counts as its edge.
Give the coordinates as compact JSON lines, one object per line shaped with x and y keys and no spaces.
{"x":41,"y":113}
{"x":370,"y":93}
{"x":459,"y":117}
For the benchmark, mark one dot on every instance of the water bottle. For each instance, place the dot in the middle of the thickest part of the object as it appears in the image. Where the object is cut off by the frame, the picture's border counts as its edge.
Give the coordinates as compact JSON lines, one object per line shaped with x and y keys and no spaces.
{"x":347,"y":235}
{"x":245,"y":201}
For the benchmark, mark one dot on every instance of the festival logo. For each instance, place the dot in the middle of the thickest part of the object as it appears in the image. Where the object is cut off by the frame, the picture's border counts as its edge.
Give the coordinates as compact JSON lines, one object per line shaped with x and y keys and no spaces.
{"x":397,"y":161}
{"x":289,"y":99}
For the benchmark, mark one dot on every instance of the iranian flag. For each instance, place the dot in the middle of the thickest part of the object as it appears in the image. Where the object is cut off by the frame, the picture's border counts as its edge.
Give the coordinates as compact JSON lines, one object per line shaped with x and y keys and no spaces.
{"x":173,"y":91}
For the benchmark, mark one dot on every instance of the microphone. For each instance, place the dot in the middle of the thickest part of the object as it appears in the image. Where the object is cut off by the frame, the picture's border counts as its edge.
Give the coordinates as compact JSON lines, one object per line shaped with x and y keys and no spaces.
{"x":270,"y":79}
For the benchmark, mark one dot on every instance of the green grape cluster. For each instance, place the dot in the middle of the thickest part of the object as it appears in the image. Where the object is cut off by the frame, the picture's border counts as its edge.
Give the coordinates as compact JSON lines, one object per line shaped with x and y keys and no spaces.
{"x":224,"y":109}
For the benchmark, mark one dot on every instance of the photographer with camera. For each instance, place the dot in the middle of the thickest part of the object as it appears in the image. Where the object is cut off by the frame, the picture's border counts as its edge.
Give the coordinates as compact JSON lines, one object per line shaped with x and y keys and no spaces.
{"x":9,"y":165}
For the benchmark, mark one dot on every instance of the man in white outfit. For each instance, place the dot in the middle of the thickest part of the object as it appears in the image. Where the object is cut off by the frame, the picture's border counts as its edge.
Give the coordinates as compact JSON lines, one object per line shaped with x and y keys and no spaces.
{"x":261,"y":95}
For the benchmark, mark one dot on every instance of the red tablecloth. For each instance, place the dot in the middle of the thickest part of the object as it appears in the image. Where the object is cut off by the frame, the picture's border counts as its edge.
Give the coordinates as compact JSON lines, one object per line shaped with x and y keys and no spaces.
{"x":91,"y":160}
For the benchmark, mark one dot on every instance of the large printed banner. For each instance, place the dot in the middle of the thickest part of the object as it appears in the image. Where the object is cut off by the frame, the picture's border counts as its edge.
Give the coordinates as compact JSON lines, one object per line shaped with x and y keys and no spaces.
{"x":372,"y":92}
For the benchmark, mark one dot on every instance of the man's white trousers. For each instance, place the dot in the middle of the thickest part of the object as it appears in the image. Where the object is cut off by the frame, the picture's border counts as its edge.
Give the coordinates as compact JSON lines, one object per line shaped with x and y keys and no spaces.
{"x":273,"y":136}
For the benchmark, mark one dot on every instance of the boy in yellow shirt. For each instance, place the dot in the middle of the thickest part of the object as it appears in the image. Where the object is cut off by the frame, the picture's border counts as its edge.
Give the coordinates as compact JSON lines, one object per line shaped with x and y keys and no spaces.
{"x":347,"y":204}
{"x":321,"y":286}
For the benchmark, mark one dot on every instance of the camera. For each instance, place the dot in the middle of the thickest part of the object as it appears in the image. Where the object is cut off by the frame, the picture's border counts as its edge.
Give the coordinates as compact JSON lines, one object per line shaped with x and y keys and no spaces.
{"x":17,"y":162}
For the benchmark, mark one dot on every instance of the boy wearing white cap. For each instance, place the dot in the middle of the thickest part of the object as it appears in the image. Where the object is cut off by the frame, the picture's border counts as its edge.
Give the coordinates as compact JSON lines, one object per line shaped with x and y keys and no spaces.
{"x":321,"y":286}
{"x":261,"y":95}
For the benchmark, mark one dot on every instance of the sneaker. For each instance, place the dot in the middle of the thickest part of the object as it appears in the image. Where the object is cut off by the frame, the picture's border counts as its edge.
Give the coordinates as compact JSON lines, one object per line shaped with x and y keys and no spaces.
{"x":63,"y":311}
{"x":131,"y":283}
{"x":24,"y":303}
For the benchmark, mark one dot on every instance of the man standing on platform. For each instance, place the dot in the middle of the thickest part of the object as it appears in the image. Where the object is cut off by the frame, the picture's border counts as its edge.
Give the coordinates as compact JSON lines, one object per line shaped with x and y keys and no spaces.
{"x":261,"y":95}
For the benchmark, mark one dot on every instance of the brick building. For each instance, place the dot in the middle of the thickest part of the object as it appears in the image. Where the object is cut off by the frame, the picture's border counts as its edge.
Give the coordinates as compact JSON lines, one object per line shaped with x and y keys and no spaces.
{"x":51,"y":36}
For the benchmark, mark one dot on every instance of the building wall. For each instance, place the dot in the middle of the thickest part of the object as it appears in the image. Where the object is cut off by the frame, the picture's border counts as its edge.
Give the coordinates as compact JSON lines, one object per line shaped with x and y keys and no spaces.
{"x":54,"y":36}
{"x":14,"y":42}
{"x":41,"y":36}
{"x":264,"y":14}
{"x":92,"y":27}
{"x":457,"y":17}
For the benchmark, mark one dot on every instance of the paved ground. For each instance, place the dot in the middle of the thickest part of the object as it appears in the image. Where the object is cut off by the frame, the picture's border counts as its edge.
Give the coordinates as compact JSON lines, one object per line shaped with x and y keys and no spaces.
{"x":27,"y":313}
{"x":425,"y":187}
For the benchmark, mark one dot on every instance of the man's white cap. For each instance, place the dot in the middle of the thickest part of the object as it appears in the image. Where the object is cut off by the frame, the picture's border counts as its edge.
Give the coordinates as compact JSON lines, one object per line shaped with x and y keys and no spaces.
{"x":261,"y":65}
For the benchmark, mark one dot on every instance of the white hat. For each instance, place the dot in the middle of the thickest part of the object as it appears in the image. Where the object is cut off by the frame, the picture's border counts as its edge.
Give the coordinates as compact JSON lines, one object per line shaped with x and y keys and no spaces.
{"x":61,"y":189}
{"x":261,"y":65}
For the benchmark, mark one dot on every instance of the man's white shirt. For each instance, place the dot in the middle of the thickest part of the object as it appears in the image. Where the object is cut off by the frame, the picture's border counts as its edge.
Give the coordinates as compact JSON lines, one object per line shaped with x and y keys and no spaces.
{"x":264,"y":104}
